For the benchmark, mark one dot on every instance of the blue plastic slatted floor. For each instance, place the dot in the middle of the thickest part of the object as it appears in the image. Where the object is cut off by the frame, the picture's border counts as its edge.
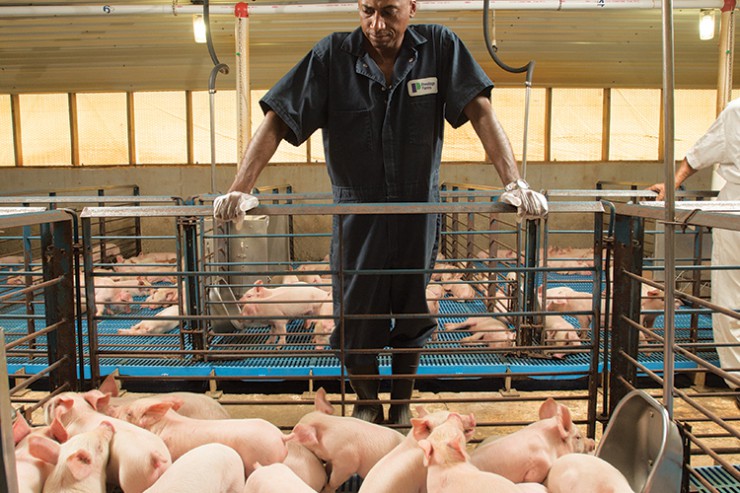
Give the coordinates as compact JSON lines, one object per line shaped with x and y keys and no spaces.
{"x":717,"y":477}
{"x":272,"y":365}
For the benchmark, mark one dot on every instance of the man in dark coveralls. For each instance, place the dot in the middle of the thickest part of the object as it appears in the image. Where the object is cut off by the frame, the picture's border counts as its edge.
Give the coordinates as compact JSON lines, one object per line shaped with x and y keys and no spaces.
{"x":380,"y":94}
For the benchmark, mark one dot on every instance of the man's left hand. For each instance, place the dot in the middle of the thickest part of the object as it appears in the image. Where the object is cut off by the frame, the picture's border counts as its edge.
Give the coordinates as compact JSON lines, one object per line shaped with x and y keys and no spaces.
{"x":529,"y":204}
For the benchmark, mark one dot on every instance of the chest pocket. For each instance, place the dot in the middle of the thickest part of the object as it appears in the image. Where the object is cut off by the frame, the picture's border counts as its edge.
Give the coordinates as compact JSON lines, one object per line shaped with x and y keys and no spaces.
{"x":351,"y":132}
{"x":423,"y":119}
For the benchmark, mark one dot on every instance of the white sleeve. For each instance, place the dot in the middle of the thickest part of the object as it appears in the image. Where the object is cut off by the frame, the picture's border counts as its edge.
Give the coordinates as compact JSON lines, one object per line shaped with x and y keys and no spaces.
{"x":711,"y":147}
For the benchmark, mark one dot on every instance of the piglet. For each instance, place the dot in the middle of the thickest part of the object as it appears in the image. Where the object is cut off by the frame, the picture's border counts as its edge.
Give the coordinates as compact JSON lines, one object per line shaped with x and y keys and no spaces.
{"x":157,"y":325}
{"x":565,"y":299}
{"x":559,"y":332}
{"x":450,"y":470}
{"x":402,"y":470}
{"x":306,"y":465}
{"x":209,"y":468}
{"x":323,"y":327}
{"x":137,"y":457}
{"x":79,"y":463}
{"x":527,"y":455}
{"x":256,"y":440}
{"x":653,"y":299}
{"x":31,"y":471}
{"x":580,"y":473}
{"x":460,"y":291}
{"x":190,"y":404}
{"x":275,"y":478}
{"x":278,"y":306}
{"x":160,"y":297}
{"x":348,"y":445}
{"x":110,"y":297}
{"x":485,"y":330}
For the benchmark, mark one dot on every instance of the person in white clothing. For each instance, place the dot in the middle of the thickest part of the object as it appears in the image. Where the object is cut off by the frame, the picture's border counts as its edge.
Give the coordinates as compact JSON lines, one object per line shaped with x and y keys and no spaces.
{"x":721,"y":144}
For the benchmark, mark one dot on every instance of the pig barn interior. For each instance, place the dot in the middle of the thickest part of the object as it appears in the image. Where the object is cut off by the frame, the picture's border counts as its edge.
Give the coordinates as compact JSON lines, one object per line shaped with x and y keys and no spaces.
{"x":118,"y":131}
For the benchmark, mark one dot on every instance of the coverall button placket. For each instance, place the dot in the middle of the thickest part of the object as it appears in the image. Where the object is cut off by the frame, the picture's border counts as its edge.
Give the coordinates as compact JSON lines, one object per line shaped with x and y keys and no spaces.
{"x":392,"y":174}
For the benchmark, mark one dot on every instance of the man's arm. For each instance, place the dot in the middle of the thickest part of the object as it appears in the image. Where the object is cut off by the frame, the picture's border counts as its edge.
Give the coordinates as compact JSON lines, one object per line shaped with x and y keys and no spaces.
{"x":491,"y":134}
{"x":682,"y":173}
{"x":529,"y":204}
{"x":260,"y":150}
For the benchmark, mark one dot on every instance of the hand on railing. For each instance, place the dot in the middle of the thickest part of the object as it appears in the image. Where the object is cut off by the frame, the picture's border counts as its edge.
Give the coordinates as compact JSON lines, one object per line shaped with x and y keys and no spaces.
{"x":233,"y":205}
{"x":529,"y":204}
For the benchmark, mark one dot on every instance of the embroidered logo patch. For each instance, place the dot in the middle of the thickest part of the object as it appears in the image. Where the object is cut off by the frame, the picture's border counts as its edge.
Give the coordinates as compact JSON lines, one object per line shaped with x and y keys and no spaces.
{"x":422,"y":87}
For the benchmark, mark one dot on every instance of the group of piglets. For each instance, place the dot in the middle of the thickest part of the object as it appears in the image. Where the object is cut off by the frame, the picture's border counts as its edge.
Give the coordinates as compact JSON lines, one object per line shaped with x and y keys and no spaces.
{"x":494,"y":331}
{"x":185,"y":442}
{"x":142,"y":275}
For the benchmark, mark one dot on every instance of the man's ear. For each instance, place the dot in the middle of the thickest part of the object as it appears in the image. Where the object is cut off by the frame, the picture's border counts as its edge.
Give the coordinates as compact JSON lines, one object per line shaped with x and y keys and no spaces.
{"x":412,"y":8}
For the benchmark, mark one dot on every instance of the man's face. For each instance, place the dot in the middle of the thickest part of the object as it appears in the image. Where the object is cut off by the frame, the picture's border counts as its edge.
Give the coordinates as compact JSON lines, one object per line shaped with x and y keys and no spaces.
{"x":385,"y":21}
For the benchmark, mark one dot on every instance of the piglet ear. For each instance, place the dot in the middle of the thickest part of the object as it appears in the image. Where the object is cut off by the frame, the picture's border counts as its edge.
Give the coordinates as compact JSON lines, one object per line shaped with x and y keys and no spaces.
{"x":565,"y":423}
{"x":63,"y":406}
{"x":321,"y":403}
{"x":548,"y":409}
{"x":426,"y":447}
{"x":421,"y":411}
{"x":470,"y":428}
{"x":97,"y":399}
{"x":305,"y":434}
{"x":109,"y":385}
{"x":458,"y":449}
{"x":421,"y":428}
{"x":154,"y":413}
{"x":80,"y":464}
{"x":21,"y":428}
{"x":44,"y":449}
{"x":176,"y":402}
{"x":58,"y":431}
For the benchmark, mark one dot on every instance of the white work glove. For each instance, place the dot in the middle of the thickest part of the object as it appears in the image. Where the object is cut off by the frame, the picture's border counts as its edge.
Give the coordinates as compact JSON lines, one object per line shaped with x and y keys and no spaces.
{"x":529,"y":204}
{"x":233,"y":206}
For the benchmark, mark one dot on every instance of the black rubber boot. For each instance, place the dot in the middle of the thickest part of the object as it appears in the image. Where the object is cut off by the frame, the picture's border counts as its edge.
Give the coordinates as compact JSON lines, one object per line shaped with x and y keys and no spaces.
{"x":402,"y":364}
{"x":366,"y":390}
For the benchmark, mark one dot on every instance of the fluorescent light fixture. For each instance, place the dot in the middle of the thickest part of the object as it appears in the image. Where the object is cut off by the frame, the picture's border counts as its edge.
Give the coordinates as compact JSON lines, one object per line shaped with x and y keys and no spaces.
{"x":706,"y":24}
{"x":199,"y":29}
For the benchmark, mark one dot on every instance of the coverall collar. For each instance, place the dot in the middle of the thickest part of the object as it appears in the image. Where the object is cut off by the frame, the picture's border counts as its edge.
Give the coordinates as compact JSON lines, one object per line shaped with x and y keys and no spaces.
{"x":354,"y":44}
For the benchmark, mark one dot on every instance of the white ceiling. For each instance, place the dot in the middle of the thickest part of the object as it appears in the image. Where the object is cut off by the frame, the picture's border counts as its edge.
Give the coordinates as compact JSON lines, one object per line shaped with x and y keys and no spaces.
{"x":594,"y":48}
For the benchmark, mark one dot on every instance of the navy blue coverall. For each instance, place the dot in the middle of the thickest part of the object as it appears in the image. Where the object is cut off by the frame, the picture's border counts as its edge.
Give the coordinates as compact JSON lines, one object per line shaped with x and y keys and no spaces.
{"x":383,"y":143}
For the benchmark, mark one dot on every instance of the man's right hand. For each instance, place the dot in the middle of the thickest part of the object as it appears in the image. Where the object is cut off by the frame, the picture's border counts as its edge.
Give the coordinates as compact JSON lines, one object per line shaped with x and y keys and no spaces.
{"x":658,"y":188}
{"x":232,"y":205}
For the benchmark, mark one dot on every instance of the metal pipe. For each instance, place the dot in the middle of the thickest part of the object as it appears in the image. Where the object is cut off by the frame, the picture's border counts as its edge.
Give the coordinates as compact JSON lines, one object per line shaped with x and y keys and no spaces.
{"x":243,"y":89}
{"x":670,"y":209}
{"x":7,"y":416}
{"x":726,"y":56}
{"x":265,"y":9}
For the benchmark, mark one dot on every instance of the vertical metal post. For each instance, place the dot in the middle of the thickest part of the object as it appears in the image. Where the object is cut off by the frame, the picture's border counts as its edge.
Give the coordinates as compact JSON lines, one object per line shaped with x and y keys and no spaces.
{"x":531,"y":247}
{"x":629,"y":235}
{"x":8,"y":476}
{"x":190,"y":231}
{"x":56,"y":248}
{"x":92,"y":324}
{"x":28,"y":280}
{"x":593,"y":374}
{"x":696,"y":281}
{"x":669,"y":163}
{"x":137,"y":223}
